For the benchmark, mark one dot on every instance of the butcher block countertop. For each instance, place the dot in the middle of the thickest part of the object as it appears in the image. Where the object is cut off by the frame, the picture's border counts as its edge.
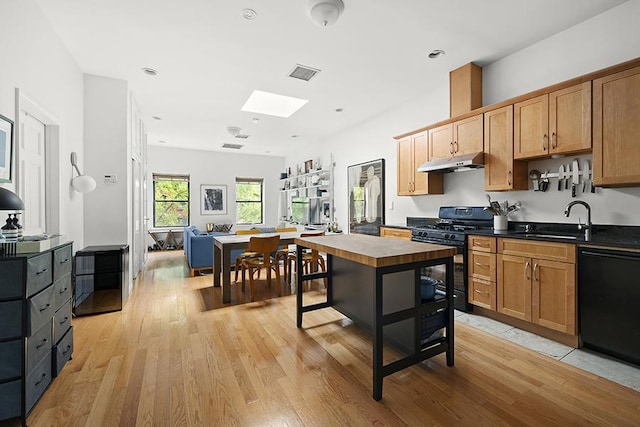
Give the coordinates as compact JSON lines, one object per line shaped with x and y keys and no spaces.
{"x":375,"y":251}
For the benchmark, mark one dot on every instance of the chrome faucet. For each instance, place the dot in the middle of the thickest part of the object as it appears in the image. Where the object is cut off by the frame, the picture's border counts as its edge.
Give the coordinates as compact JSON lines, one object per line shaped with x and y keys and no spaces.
{"x":587,"y":226}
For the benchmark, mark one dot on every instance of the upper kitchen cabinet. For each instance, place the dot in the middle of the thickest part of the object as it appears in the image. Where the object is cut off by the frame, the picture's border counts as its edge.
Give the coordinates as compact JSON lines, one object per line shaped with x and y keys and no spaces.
{"x":501,"y":171}
{"x":457,"y":138}
{"x":616,"y":129}
{"x":412,"y":152}
{"x":555,"y":123}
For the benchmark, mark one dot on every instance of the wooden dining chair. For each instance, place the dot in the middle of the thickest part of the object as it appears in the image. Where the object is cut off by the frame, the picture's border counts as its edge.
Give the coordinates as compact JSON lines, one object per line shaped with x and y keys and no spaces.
{"x":266,"y":247}
{"x":283,"y":253}
{"x":247,"y":253}
{"x":310,"y":259}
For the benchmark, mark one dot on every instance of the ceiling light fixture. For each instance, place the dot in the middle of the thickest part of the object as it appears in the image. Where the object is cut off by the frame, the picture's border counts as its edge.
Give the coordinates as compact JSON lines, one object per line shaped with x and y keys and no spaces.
{"x":233,"y":130}
{"x":339,"y":110}
{"x":272,"y":104}
{"x":249,"y":14}
{"x":435,"y":54}
{"x":325,"y":12}
{"x":149,"y":71}
{"x":255,"y":120}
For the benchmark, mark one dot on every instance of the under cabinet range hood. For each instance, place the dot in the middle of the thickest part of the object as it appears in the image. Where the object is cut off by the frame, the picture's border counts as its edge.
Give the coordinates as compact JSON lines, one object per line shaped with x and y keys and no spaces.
{"x":454,"y":164}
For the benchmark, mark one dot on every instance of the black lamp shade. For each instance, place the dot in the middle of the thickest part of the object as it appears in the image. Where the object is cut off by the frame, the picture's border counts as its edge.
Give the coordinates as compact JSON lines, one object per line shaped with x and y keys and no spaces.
{"x":9,"y":201}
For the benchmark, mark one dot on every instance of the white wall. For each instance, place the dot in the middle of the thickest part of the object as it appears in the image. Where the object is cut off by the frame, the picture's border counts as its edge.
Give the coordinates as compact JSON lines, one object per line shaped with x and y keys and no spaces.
{"x":107,"y":211}
{"x":36,"y":62}
{"x":604,"y":40}
{"x":208,"y":167}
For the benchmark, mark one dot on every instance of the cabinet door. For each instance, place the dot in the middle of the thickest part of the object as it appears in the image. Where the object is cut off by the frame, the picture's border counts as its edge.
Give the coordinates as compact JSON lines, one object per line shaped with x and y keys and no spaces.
{"x":531,"y":128}
{"x":570,"y":119}
{"x":441,"y":142}
{"x":468,"y":135}
{"x":514,"y":286}
{"x":501,"y":172}
{"x":554,"y":295}
{"x":616,"y":129}
{"x":420,"y":148}
{"x":405,"y":166}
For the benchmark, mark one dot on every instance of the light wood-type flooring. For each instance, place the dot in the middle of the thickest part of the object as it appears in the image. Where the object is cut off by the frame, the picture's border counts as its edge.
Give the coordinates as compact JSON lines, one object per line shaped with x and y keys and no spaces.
{"x":175,"y":357}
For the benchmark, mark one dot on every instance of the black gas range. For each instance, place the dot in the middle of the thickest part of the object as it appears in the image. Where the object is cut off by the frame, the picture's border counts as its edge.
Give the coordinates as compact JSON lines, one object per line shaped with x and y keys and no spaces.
{"x":451,"y":228}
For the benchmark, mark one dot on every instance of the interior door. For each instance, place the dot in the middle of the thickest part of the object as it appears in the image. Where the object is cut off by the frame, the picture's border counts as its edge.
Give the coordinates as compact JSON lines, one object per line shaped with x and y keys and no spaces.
{"x":32,"y":173}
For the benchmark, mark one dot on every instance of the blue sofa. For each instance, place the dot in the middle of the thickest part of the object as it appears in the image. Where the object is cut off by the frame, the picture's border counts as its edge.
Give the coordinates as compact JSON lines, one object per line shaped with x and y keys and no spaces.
{"x":198,"y":249}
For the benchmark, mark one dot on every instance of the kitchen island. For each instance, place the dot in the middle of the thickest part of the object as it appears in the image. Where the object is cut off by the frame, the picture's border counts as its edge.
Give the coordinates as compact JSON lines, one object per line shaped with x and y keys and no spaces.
{"x":376,"y":282}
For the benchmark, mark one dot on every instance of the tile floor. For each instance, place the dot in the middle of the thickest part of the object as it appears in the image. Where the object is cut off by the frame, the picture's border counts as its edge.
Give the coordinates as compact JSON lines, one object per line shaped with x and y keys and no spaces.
{"x":596,"y":363}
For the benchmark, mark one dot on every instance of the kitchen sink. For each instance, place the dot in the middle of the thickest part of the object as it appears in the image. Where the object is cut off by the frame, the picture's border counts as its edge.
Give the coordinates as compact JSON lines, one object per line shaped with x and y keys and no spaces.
{"x":547,"y":236}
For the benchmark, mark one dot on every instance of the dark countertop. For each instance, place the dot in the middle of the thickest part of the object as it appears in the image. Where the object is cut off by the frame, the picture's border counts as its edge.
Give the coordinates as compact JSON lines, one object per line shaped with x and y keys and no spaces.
{"x":601,"y":235}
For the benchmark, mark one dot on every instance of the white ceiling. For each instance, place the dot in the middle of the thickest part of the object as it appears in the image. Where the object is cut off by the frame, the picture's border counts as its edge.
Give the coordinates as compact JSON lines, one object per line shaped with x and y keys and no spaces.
{"x":210,"y":59}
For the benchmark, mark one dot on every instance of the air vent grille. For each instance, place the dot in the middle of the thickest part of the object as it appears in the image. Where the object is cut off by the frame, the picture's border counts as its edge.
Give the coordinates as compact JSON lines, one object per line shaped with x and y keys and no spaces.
{"x":303,"y":72}
{"x":233,"y":146}
{"x":242,"y":136}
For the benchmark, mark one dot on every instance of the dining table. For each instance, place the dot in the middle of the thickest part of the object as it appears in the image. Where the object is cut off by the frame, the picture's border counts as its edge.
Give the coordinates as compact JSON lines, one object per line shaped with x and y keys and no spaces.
{"x":222,"y":247}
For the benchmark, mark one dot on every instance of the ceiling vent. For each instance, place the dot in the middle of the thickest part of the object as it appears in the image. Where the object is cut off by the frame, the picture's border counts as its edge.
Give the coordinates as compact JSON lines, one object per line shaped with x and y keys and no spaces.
{"x":242,"y":136}
{"x":232,"y":146}
{"x":303,"y":72}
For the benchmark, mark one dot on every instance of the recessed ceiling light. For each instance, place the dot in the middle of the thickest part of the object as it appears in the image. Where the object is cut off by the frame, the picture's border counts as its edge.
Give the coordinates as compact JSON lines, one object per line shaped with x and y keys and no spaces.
{"x":339,"y":110}
{"x":272,"y":104}
{"x":436,"y":54}
{"x":149,"y":71}
{"x":249,"y":14}
{"x":156,"y":118}
{"x":255,"y":120}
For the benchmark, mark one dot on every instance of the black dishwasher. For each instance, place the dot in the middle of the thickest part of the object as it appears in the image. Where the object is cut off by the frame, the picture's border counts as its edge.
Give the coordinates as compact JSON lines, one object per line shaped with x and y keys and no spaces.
{"x":609,"y":302}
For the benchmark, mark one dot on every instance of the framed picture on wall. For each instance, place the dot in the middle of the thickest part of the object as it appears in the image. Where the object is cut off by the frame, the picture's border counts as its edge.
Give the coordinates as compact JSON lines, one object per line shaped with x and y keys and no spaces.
{"x":6,"y":148}
{"x":366,"y":197}
{"x":213,"y":199}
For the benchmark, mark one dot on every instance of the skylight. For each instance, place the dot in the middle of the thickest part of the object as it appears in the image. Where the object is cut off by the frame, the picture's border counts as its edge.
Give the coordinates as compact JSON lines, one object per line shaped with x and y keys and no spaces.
{"x":272,"y":104}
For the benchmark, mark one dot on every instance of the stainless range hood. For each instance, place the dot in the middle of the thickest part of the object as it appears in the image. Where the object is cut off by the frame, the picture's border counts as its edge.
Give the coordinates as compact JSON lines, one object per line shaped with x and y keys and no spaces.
{"x":455,"y":163}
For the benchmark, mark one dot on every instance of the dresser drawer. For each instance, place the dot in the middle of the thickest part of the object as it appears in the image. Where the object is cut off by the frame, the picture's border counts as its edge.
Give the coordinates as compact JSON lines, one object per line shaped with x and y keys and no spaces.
{"x":12,"y":278}
{"x":62,"y":261}
{"x":62,"y":352}
{"x":41,"y":309}
{"x":61,"y":322}
{"x":37,"y":381}
{"x":38,"y":346}
{"x":10,"y":359}
{"x":62,"y":290}
{"x":11,"y":319}
{"x":10,"y":399}
{"x":38,"y":273}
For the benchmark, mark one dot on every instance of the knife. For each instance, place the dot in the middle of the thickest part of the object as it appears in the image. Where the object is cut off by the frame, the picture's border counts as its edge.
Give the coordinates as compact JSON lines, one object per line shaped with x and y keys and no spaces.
{"x":576,"y":177}
{"x":566,"y":178}
{"x":586,"y":175}
{"x":560,"y":177}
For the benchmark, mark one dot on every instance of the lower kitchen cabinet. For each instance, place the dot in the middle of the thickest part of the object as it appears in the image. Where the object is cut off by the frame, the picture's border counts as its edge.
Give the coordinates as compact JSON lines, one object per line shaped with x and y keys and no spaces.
{"x":395,"y":233}
{"x":482,"y":271}
{"x":536,"y":282}
{"x":35,"y":313}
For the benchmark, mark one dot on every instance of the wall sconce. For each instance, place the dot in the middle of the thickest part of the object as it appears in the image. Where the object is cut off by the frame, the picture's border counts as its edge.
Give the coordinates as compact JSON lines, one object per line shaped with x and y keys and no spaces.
{"x":81,"y":183}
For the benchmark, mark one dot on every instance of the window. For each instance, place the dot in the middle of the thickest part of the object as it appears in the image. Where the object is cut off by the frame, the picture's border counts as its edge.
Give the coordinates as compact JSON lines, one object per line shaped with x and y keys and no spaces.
{"x":249,"y":207}
{"x":170,"y":200}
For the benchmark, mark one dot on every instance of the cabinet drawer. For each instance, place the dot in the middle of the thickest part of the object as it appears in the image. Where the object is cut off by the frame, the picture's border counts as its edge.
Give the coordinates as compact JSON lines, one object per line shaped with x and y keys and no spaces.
{"x":11,"y":319}
{"x":482,"y":293}
{"x":41,"y":309}
{"x":62,"y":352}
{"x":10,"y":359}
{"x":553,"y":251}
{"x":482,"y":265}
{"x":62,"y":291}
{"x":38,"y":346}
{"x":12,"y":278}
{"x":482,"y":243}
{"x":61,"y":322}
{"x":62,"y":261}
{"x":395,"y":233}
{"x":38,"y":273}
{"x":38,"y":381}
{"x":10,"y":398}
